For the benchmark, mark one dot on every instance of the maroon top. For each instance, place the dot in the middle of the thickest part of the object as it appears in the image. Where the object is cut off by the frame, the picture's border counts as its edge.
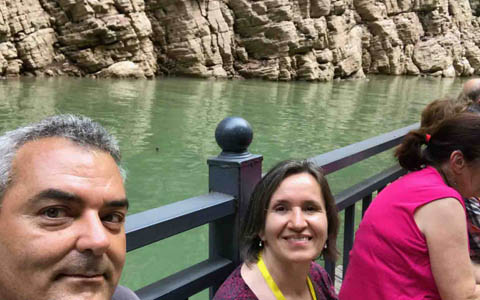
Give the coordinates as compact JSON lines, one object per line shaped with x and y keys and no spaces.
{"x":236,"y":288}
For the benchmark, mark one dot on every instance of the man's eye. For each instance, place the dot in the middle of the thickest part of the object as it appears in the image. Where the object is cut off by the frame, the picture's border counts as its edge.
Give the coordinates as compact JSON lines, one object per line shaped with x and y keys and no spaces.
{"x":54,"y":212}
{"x":114,"y":218}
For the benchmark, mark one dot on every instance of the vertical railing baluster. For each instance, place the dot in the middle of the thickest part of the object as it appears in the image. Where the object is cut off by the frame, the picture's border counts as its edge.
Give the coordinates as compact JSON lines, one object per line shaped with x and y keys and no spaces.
{"x":330,"y":268}
{"x":349,"y":226}
{"x":235,"y":172}
{"x":366,"y":203}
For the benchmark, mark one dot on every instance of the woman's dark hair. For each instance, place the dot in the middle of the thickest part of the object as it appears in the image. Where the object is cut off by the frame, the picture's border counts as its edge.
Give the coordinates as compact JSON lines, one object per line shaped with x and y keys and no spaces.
{"x":256,"y":213}
{"x":460,"y":132}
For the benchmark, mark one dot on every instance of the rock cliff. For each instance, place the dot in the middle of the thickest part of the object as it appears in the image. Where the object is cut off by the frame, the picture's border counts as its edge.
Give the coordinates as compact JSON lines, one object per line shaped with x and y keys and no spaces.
{"x":271,"y":39}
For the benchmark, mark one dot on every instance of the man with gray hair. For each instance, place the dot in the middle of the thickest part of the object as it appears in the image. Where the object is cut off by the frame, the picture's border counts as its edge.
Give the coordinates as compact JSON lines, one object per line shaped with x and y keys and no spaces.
{"x":470,"y":92}
{"x":62,"y":212}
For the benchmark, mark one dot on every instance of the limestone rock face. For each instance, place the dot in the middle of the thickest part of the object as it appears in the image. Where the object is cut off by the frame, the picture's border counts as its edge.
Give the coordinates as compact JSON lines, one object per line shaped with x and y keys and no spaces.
{"x":123,"y":69}
{"x":26,"y":37}
{"x":408,"y":27}
{"x":430,"y":57}
{"x":313,"y":40}
{"x":371,"y":10}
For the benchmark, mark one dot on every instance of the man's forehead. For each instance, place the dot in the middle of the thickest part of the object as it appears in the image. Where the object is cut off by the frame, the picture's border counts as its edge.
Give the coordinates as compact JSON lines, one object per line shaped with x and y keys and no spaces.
{"x":54,"y":143}
{"x":57,"y":149}
{"x":56,"y":168}
{"x":57,"y":155}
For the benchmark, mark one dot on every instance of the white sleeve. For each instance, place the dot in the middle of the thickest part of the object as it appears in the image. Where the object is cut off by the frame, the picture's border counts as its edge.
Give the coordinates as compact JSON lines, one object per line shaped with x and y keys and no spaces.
{"x":124,"y":293}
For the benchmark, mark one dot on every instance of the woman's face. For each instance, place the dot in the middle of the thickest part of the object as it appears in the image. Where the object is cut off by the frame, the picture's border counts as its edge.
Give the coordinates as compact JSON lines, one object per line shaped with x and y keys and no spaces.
{"x":296,"y":221}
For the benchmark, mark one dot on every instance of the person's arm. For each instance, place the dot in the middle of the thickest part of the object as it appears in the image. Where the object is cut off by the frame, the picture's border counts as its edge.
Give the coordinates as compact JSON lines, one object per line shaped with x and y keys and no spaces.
{"x":444,"y":225}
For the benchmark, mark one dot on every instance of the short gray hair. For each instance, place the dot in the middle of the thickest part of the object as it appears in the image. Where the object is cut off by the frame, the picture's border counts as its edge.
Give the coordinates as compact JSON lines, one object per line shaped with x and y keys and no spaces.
{"x":78,"y":129}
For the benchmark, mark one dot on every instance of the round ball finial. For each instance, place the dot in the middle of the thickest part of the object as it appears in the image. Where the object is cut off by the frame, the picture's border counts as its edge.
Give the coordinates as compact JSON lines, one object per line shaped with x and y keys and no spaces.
{"x":234,"y":135}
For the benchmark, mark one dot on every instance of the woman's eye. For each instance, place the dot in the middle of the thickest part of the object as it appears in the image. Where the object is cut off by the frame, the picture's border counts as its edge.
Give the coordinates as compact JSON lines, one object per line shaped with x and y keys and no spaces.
{"x":311,"y":209}
{"x":54,"y":212}
{"x":280,"y":209}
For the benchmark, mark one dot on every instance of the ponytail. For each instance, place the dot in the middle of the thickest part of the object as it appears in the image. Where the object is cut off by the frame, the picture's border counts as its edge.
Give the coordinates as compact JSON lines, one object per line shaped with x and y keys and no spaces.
{"x":409,"y":153}
{"x":461,"y":132}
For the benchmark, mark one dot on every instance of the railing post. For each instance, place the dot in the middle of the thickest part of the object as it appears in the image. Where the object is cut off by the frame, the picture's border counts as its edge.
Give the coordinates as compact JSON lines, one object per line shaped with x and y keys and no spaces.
{"x":234,"y":171}
{"x":348,"y":235}
{"x":366,"y":203}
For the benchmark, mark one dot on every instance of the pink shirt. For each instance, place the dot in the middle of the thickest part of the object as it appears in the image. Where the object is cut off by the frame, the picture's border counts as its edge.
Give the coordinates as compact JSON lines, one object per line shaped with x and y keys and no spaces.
{"x":389,"y":259}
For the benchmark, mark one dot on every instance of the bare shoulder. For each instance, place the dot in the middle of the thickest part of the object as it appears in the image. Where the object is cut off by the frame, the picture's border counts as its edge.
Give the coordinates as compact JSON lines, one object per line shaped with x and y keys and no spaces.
{"x":446,"y":213}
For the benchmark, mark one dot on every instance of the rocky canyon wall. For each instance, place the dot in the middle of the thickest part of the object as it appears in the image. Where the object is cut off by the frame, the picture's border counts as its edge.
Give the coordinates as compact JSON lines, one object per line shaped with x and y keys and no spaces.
{"x":314,"y":40}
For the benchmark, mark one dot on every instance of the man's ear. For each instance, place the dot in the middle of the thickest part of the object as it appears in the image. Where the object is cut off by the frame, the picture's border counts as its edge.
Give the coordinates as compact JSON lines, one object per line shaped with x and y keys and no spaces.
{"x":457,"y":162}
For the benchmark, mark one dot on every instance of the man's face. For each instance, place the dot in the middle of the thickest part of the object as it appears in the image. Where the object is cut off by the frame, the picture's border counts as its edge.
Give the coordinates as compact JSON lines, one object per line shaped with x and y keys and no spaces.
{"x":62,"y":224}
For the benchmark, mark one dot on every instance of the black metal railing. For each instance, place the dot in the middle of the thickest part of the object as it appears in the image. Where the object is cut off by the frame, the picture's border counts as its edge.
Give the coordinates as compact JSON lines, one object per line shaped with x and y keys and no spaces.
{"x":232,"y":176}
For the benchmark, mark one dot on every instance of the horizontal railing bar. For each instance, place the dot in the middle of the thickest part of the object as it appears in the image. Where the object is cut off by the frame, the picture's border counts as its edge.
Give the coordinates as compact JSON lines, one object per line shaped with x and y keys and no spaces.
{"x":346,"y":156}
{"x":159,"y":223}
{"x":359,"y":191}
{"x":189,"y":281}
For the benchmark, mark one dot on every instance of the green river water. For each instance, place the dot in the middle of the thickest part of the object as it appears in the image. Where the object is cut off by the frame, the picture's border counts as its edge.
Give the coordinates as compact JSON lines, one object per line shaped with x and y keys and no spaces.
{"x":179,"y":117}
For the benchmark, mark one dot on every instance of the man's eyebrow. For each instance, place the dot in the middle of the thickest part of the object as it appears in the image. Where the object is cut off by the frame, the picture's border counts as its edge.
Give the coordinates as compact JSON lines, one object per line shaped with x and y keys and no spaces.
{"x":64,"y":196}
{"x":56,"y":195}
{"x":121,"y":203}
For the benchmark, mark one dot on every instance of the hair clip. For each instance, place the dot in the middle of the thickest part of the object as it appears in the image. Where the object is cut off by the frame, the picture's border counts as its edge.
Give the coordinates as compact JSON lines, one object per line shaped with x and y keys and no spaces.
{"x":427,"y":138}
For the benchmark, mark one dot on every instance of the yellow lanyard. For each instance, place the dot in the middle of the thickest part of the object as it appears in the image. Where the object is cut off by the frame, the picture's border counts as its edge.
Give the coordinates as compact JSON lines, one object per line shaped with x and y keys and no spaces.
{"x":273,"y":286}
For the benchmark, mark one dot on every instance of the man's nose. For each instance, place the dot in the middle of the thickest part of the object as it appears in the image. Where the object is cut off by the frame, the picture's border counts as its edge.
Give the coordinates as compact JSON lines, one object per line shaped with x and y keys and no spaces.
{"x":93,"y":236}
{"x":297,"y":219}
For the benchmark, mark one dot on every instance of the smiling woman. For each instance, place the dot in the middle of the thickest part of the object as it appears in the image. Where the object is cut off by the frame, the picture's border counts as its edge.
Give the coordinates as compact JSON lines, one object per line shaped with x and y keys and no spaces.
{"x":291,"y":220}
